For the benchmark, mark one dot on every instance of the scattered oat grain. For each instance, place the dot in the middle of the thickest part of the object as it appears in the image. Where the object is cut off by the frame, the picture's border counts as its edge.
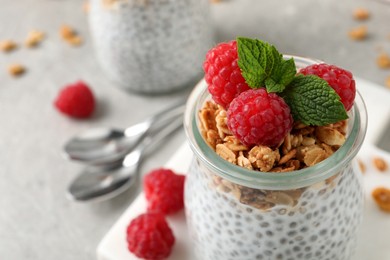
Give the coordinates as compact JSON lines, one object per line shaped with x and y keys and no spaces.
{"x":383,"y":61}
{"x":16,"y":69}
{"x":362,"y":166}
{"x":86,"y":7}
{"x":380,"y":164}
{"x":358,"y":33}
{"x":387,"y":82}
{"x":361,"y":14}
{"x":7,"y":45}
{"x":381,"y":196}
{"x":34,"y":37}
{"x":70,"y":35}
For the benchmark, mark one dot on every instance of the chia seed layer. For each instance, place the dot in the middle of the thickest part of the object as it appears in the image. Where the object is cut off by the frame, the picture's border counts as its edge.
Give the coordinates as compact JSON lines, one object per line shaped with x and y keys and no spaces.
{"x":151,"y":46}
{"x":321,"y":225}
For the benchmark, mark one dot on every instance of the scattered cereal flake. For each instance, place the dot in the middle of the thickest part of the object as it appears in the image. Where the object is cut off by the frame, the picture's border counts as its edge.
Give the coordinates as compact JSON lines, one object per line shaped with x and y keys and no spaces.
{"x":69,"y":35}
{"x":16,"y":69}
{"x":361,"y":14}
{"x":380,"y":164}
{"x":75,"y":41}
{"x":387,"y":82}
{"x":86,"y":6}
{"x":34,"y":37}
{"x":358,"y":33}
{"x":383,"y":60}
{"x":215,"y":1}
{"x":362,"y":166}
{"x":381,"y":196}
{"x":7,"y":45}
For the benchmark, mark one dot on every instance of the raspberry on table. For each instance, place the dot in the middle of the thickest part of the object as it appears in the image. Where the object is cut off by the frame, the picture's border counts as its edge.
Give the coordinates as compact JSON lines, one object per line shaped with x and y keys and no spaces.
{"x":150,"y":237}
{"x":222,"y":73}
{"x":257,"y":117}
{"x":164,"y":191}
{"x":340,"y":80}
{"x":76,"y":100}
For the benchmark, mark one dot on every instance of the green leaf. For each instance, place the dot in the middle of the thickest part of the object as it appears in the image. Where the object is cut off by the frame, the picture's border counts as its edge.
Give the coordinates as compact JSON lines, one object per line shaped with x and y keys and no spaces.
{"x":252,"y":60}
{"x":262,"y":65}
{"x":313,"y":102}
{"x":281,"y":76}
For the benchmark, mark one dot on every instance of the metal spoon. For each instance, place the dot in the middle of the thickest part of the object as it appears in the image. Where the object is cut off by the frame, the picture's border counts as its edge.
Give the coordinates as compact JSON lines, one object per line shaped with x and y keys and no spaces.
{"x":102,"y":145}
{"x":105,"y":182}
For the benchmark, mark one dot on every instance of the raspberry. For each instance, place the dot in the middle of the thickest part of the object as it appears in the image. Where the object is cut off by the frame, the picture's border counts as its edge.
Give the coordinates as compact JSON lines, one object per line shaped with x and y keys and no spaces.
{"x":339,"y":79}
{"x":222,"y":73}
{"x":76,"y":100}
{"x":256,"y":117}
{"x":150,"y":237}
{"x":164,"y":191}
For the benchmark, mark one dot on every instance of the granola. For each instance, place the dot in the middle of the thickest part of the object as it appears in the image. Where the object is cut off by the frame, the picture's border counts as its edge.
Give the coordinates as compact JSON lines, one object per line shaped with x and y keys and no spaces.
{"x":303,"y":147}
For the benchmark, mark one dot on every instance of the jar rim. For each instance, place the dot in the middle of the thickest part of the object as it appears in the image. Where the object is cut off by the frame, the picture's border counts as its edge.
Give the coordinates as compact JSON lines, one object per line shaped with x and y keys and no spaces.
{"x":270,"y":180}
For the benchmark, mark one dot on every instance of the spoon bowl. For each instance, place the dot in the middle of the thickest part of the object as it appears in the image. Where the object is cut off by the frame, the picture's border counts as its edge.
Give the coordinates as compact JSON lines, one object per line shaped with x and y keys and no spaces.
{"x":104,"y":145}
{"x":102,"y":182}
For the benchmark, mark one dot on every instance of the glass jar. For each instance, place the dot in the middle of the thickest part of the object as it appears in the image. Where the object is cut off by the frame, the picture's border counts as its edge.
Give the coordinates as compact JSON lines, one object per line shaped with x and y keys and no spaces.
{"x":151,"y":46}
{"x":235,"y":213}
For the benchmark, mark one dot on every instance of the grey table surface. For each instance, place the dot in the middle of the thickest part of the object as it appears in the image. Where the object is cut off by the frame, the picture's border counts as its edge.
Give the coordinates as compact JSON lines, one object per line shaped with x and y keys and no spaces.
{"x":36,"y":219}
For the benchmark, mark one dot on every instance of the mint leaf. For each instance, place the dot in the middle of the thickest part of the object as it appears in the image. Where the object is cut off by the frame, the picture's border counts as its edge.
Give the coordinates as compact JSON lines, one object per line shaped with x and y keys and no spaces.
{"x":313,"y":102}
{"x":262,"y":65}
{"x":281,"y":76}
{"x":252,"y":60}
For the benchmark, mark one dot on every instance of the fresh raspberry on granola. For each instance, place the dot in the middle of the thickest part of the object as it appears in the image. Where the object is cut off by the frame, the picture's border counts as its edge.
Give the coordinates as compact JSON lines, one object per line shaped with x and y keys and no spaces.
{"x":76,"y":100}
{"x":164,"y":191}
{"x":150,"y":237}
{"x":222,"y":73}
{"x":257,"y":117}
{"x":339,"y":79}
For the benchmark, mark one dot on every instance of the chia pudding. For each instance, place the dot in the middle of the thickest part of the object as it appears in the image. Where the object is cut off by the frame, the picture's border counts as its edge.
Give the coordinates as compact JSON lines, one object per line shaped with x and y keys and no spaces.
{"x":151,"y":46}
{"x":305,"y":213}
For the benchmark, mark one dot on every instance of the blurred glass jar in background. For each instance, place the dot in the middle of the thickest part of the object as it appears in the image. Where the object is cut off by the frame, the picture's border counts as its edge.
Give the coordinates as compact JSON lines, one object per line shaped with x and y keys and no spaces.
{"x":151,"y":46}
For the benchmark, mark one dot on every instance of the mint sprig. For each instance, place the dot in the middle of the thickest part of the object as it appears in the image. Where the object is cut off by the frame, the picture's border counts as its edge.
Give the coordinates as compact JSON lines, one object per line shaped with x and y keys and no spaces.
{"x":263,"y":66}
{"x":312,"y":101}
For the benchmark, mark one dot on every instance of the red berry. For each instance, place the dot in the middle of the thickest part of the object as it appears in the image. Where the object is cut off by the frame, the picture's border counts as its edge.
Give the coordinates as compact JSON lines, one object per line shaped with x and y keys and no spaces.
{"x":164,"y":191}
{"x":222,"y":73}
{"x":150,"y":237}
{"x":76,"y":100}
{"x":257,"y":117}
{"x":339,"y":79}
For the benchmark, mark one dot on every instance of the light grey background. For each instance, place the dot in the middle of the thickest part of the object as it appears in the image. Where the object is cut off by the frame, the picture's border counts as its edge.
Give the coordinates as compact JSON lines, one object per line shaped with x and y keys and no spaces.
{"x":36,"y":220}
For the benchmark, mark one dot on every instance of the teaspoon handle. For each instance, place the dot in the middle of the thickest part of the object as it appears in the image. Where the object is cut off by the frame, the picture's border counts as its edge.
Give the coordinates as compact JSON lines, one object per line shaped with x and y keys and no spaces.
{"x":151,"y":142}
{"x":160,"y":119}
